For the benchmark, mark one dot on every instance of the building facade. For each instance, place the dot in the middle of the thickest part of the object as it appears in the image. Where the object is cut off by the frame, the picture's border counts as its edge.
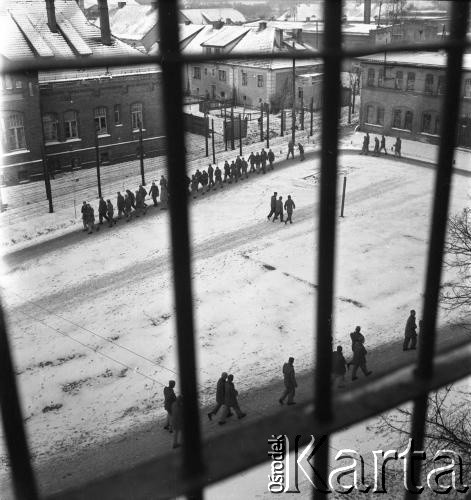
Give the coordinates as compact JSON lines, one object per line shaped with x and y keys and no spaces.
{"x":402,"y":95}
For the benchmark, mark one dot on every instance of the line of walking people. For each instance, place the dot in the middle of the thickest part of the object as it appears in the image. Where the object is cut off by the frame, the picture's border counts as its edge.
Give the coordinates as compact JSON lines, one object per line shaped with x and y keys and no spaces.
{"x":276,"y":208}
{"x":380,"y":146}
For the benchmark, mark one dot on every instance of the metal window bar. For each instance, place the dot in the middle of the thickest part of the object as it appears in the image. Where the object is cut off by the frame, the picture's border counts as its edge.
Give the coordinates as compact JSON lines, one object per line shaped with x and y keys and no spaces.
{"x":204,"y":465}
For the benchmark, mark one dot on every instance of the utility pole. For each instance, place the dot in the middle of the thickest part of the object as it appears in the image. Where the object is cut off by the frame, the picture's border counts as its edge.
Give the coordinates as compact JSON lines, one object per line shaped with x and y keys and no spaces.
{"x":312,"y":113}
{"x":302,"y":113}
{"x":97,"y":151}
{"x":212,"y":140}
{"x":232,"y":128}
{"x":141,"y":154}
{"x":240,"y":134}
{"x":47,"y":178}
{"x":268,"y":125}
{"x":261,"y":122}
{"x":206,"y":133}
{"x":293,"y":111}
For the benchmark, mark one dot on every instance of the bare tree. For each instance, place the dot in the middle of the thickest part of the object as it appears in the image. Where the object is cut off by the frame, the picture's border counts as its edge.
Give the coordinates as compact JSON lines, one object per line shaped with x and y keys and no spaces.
{"x":456,"y":294}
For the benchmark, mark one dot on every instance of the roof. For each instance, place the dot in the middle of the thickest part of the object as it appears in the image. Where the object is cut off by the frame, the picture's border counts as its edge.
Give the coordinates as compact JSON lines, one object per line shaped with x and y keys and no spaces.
{"x":133,"y":21}
{"x":225,"y":36}
{"x":194,"y":46}
{"x":208,"y":16}
{"x":257,"y":40}
{"x":275,"y":64}
{"x":189,"y":30}
{"x":27,"y":34}
{"x":417,"y":59}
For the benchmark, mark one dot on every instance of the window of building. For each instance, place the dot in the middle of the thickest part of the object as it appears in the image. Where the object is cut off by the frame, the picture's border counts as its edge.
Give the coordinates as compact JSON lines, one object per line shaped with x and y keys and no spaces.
{"x":370,"y":113}
{"x":136,"y":116}
{"x":410,"y":81}
{"x":70,"y":125}
{"x":380,"y":77}
{"x":371,"y":77}
{"x":441,"y":88}
{"x":467,"y":87}
{"x":428,"y":84}
{"x":8,"y":82}
{"x":117,"y":114}
{"x":221,"y":75}
{"x":259,"y":80}
{"x":217,"y":50}
{"x":397,"y":118}
{"x":430,"y":123}
{"x":223,"y":95}
{"x":380,"y":116}
{"x":398,"y":81}
{"x":31,"y":90}
{"x":244,"y":78}
{"x":18,"y":84}
{"x":196,"y":73}
{"x":300,"y":92}
{"x":51,"y":127}
{"x":205,"y":71}
{"x":408,"y":120}
{"x":15,"y":131}
{"x":101,"y":125}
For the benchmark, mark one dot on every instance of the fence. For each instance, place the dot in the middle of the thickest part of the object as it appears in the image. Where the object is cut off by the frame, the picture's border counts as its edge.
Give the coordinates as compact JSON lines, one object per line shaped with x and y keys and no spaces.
{"x":204,"y":463}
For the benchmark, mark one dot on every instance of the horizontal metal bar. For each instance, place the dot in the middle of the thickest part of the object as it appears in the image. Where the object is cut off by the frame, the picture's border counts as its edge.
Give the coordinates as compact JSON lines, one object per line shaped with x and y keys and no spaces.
{"x":126,"y":60}
{"x":245,"y":447}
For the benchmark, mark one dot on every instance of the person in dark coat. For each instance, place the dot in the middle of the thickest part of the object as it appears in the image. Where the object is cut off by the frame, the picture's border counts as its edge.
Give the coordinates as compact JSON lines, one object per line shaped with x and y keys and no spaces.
{"x":163,"y":182}
{"x":110,"y":213}
{"x":290,"y":149}
{"x":397,"y":147}
{"x":218,"y":176}
{"x":163,"y":196}
{"x":204,"y":180}
{"x":210,"y":176}
{"x":233,"y":172}
{"x":279,"y":209}
{"x":301,"y":151}
{"x":127,"y":207}
{"x":252,"y":162}
{"x":227,"y":171}
{"x":383,"y":145}
{"x":230,"y":401}
{"x":263,"y":159}
{"x":339,"y":367}
{"x":289,"y":206}
{"x":102,"y":211}
{"x":376,"y":148}
{"x":154,"y":193}
{"x":84,"y":211}
{"x":143,"y":192}
{"x":91,"y":219}
{"x":366,"y":144}
{"x":272,"y":205}
{"x":132,"y":198}
{"x":410,"y":334}
{"x":244,"y":166}
{"x":356,"y":335}
{"x":359,"y":359}
{"x":271,"y":158}
{"x":219,"y":395}
{"x":257,"y":162}
{"x":289,"y":379}
{"x":177,"y":421}
{"x":120,"y":205}
{"x":169,"y":399}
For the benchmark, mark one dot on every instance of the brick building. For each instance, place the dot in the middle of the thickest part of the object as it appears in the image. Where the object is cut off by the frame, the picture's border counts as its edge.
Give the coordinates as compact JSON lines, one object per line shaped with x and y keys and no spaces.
{"x":401,"y":95}
{"x":53,"y":115}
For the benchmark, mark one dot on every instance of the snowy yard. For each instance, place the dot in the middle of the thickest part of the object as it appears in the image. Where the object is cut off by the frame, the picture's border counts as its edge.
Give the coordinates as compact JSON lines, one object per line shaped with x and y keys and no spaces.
{"x":92,"y":323}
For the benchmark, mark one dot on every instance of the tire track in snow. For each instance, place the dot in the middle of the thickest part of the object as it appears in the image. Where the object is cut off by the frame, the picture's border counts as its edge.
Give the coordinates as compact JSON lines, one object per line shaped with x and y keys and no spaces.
{"x":107,"y":283}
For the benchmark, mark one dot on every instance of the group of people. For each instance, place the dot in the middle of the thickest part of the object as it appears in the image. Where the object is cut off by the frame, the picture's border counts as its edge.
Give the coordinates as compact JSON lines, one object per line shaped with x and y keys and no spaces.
{"x":291,"y":150}
{"x":380,"y":146}
{"x":128,"y":206}
{"x":276,"y":208}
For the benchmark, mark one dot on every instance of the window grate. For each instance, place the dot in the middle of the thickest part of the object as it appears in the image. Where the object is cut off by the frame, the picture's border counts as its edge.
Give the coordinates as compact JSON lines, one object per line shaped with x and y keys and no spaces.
{"x":201,"y":465}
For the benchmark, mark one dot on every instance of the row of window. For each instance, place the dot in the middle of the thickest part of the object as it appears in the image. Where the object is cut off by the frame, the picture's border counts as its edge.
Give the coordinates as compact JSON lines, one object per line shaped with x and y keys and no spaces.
{"x":8,"y":82}
{"x":222,"y":76}
{"x":402,"y":119}
{"x":68,"y":123}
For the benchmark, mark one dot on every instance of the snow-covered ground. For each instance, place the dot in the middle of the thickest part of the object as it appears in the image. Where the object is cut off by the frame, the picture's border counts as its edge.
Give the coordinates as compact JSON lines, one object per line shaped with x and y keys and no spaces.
{"x":92,"y":323}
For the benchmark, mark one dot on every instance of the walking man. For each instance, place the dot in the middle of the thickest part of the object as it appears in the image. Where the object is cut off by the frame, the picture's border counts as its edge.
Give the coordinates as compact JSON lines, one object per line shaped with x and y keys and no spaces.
{"x":120,"y":204}
{"x":376,"y":149}
{"x":230,"y":401}
{"x":210,"y":176}
{"x":219,"y":395}
{"x":110,"y":213}
{"x":169,"y":399}
{"x":102,"y":209}
{"x":244,"y":168}
{"x":301,"y":151}
{"x":252,"y":162}
{"x":218,"y":175}
{"x":154,"y":192}
{"x":279,"y":209}
{"x":383,"y":145}
{"x":289,"y":206}
{"x":272,"y":205}
{"x":339,"y":367}
{"x":410,"y":334}
{"x":263,"y":159}
{"x":271,"y":158}
{"x":84,"y":211}
{"x":397,"y":147}
{"x":359,"y":358}
{"x":290,"y":382}
{"x":290,"y":149}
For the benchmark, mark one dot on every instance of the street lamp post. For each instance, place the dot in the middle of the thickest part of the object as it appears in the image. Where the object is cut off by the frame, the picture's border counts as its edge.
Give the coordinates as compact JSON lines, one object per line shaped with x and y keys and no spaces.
{"x":97,"y":153}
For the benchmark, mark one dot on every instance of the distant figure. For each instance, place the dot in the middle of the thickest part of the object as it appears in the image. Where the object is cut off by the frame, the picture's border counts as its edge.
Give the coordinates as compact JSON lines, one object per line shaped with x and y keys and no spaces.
{"x":91,"y":219}
{"x":244,"y":166}
{"x":366,"y":144}
{"x":210,"y":176}
{"x":163,"y":196}
{"x":218,"y":176}
{"x":102,"y":211}
{"x":289,"y":206}
{"x":154,"y":193}
{"x":383,"y":145}
{"x":120,"y":204}
{"x":271,"y":158}
{"x":290,"y":150}
{"x":219,"y":395}
{"x":359,"y":355}
{"x":339,"y":367}
{"x":230,"y":401}
{"x":177,"y":420}
{"x":376,"y":149}
{"x":279,"y":209}
{"x":110,"y":213}
{"x":163,"y":182}
{"x":169,"y":399}
{"x":252,"y":162}
{"x":301,"y":151}
{"x":272,"y":205}
{"x":263,"y":159}
{"x":410,"y":334}
{"x":397,"y":147}
{"x":290,"y":382}
{"x":84,"y":211}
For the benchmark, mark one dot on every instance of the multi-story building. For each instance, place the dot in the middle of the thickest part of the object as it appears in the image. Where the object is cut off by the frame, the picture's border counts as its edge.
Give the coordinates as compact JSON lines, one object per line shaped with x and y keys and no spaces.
{"x":402,"y":94}
{"x":54,"y":118}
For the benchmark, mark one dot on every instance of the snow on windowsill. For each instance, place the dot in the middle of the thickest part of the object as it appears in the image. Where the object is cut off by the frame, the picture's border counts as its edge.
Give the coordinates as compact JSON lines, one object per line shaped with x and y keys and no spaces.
{"x":402,"y":130}
{"x":74,"y":139}
{"x":17,"y":152}
{"x":136,"y":130}
{"x":100,"y":136}
{"x":374,"y":125}
{"x":118,"y":124}
{"x":429,"y":134}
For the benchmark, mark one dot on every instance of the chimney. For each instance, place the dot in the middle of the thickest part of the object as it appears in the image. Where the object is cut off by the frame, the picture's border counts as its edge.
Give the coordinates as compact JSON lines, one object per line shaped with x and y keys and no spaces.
{"x":104,"y":22}
{"x":262,"y":25}
{"x":367,"y":12}
{"x":51,"y":15}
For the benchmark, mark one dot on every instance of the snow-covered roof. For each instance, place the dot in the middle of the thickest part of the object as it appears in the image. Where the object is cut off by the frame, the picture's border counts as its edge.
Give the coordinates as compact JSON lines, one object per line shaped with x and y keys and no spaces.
{"x":225,"y":36}
{"x":97,"y":73}
{"x":194,"y":46}
{"x":133,"y":21}
{"x":257,"y":40}
{"x":418,"y":59}
{"x":276,"y":64}
{"x":27,"y":34}
{"x":208,"y":16}
{"x":189,"y":30}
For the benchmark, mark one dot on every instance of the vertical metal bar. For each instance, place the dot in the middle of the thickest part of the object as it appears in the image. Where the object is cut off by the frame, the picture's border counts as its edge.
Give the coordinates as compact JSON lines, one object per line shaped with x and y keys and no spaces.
{"x":293,"y":109}
{"x":232,"y":128}
{"x":206,"y":133}
{"x":12,"y":418}
{"x":450,"y":113}
{"x":141,"y":155}
{"x":302,"y":113}
{"x":343,"y":195}
{"x":212,"y":140}
{"x":312,"y":115}
{"x":97,"y":155}
{"x":261,"y":122}
{"x":240,"y":135}
{"x":192,"y":465}
{"x":327,"y":219}
{"x":282,"y":122}
{"x":268,"y":125}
